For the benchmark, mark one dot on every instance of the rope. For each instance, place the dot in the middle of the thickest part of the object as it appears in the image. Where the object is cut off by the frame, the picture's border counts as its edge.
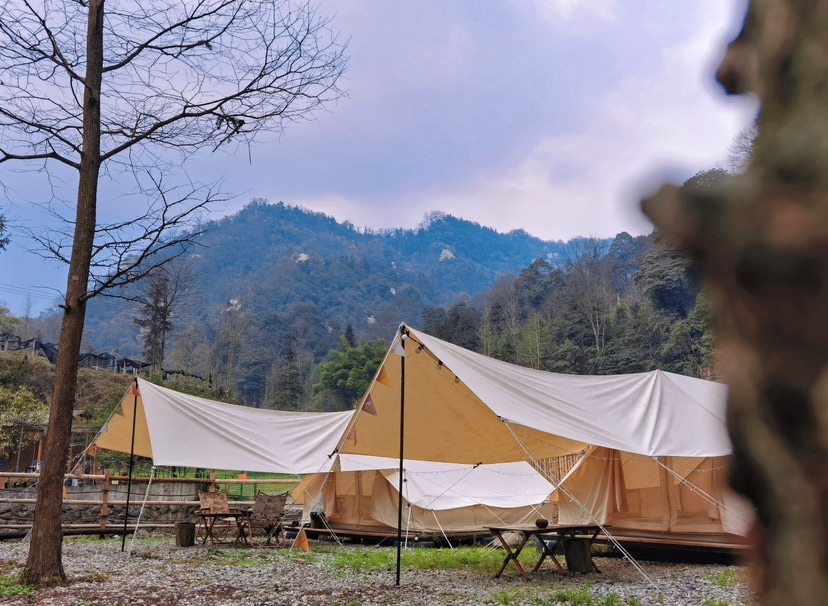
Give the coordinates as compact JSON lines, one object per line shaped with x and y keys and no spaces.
{"x":591,"y":516}
{"x":460,"y":479}
{"x":407,"y":525}
{"x":440,"y":526}
{"x":140,"y":512}
{"x":706,"y":496}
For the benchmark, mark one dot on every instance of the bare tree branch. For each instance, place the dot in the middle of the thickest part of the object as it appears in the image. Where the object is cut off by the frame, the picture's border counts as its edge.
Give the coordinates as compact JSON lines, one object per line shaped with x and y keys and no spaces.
{"x":156,"y":76}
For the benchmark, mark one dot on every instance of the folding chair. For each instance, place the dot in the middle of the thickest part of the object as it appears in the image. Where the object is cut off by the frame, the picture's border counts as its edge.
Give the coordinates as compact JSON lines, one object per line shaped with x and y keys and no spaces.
{"x":267,"y":514}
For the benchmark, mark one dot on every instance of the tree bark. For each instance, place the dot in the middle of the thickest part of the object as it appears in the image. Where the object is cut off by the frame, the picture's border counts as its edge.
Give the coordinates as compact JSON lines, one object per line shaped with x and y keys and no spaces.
{"x":44,"y":565}
{"x":761,"y":241}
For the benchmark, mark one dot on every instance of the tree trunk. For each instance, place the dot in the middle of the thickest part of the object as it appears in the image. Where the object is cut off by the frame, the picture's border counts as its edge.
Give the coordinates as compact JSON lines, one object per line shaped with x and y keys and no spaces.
{"x":761,"y":241}
{"x":44,"y":565}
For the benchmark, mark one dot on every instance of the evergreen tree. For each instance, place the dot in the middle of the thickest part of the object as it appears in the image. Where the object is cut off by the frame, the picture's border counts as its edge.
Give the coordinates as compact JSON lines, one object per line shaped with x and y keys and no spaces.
{"x":350,"y":339}
{"x":346,"y":374}
{"x":155,"y":319}
{"x":286,"y":388}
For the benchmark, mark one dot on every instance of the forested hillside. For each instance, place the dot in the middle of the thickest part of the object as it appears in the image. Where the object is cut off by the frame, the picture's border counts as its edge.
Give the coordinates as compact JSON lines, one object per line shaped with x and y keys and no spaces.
{"x":280,"y":307}
{"x":274,"y":279}
{"x":632,"y":307}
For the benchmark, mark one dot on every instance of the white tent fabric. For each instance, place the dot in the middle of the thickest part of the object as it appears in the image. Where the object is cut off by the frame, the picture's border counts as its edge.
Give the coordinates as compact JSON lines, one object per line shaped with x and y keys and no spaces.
{"x":189,"y":431}
{"x":654,"y":413}
{"x":441,"y":486}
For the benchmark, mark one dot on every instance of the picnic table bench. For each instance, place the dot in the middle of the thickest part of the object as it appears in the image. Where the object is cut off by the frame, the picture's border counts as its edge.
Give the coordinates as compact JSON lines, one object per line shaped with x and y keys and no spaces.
{"x":550,"y":540}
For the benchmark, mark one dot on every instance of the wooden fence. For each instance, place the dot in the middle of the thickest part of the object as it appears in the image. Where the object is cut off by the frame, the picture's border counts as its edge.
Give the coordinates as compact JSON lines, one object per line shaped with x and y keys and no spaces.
{"x":106,"y":482}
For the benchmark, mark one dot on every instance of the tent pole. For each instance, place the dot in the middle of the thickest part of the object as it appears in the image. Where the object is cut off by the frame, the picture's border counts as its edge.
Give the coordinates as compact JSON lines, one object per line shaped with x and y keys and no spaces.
{"x":402,"y":446}
{"x":131,"y":461}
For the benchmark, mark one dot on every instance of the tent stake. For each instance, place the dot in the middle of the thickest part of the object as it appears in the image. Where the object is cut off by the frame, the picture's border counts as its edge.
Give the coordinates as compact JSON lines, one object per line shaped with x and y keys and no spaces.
{"x":131,"y":462}
{"x":402,"y":446}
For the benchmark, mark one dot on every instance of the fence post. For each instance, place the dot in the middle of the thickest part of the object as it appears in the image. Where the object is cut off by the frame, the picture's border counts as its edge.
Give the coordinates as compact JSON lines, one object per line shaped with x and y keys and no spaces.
{"x":104,"y":503}
{"x":213,"y":485}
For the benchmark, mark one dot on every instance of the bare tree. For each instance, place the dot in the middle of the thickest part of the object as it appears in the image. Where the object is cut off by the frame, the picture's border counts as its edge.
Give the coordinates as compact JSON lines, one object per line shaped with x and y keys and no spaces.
{"x":590,"y":287}
{"x":234,"y":323}
{"x":161,"y":294}
{"x":741,"y":148}
{"x":4,"y":240}
{"x":98,"y":87}
{"x":502,"y":303}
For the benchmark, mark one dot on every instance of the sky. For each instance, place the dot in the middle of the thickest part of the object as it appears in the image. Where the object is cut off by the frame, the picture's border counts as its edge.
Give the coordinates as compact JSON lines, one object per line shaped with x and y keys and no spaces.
{"x":552,"y":116}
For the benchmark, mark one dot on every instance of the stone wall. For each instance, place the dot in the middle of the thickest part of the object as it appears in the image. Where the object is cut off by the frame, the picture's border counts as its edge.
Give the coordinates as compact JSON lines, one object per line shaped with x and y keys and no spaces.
{"x":19,"y":513}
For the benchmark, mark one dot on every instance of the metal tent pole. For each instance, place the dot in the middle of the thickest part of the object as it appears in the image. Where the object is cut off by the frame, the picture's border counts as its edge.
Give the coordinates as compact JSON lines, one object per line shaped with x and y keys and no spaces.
{"x":403,"y":337}
{"x":131,"y":461}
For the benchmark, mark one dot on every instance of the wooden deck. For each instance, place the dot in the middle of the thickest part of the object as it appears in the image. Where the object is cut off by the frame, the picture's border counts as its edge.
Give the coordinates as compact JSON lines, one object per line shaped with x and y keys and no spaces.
{"x":714,"y":543}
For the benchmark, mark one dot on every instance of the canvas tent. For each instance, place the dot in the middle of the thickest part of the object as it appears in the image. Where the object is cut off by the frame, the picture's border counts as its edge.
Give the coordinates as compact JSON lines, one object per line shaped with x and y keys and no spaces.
{"x":439,"y":497}
{"x":644,"y":452}
{"x":178,"y":429}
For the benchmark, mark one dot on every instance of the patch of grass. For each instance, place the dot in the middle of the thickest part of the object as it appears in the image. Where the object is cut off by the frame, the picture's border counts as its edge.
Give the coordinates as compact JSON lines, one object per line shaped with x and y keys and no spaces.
{"x":9,"y":587}
{"x":631,"y":601}
{"x":577,"y":596}
{"x":714,"y":602}
{"x":92,"y":577}
{"x":724,"y":578}
{"x":507,"y":596}
{"x":235,"y":557}
{"x":365,"y":560}
{"x":476,"y":559}
{"x":611,"y":599}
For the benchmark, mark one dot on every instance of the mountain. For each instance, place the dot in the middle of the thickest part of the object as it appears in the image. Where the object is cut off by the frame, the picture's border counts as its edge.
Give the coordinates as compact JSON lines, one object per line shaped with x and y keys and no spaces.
{"x":289,"y":270}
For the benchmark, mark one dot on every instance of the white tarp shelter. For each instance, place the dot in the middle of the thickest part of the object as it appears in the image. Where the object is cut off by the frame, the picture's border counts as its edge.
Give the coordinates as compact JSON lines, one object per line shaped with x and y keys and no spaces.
{"x":362,"y":495}
{"x":644,"y":452}
{"x":178,"y":429}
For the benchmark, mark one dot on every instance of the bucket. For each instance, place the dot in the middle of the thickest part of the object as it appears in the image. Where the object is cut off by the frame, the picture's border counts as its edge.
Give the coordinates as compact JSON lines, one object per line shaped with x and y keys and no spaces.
{"x":185,"y":534}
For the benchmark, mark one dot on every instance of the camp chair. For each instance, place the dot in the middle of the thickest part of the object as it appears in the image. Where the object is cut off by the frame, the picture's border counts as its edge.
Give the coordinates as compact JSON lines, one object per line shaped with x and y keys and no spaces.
{"x":267,"y":513}
{"x":216,"y":514}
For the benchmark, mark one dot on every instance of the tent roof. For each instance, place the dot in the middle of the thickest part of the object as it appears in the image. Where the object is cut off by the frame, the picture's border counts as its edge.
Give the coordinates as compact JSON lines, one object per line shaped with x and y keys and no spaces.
{"x":179,"y":429}
{"x":439,"y":486}
{"x":465,"y":407}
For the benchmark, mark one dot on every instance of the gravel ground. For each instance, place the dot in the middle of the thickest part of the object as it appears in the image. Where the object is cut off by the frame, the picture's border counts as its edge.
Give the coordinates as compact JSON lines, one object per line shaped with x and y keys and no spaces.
{"x":160,"y":573}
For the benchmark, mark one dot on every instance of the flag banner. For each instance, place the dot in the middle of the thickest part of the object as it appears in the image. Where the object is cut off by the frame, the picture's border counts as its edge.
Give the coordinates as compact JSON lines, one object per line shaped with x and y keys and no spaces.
{"x":398,"y":349}
{"x":301,"y":541}
{"x":382,"y":377}
{"x":368,"y":406}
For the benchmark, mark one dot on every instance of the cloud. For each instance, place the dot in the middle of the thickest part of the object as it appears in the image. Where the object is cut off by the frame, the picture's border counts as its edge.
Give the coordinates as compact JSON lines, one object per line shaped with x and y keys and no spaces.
{"x":569,"y":10}
{"x":661,"y":116}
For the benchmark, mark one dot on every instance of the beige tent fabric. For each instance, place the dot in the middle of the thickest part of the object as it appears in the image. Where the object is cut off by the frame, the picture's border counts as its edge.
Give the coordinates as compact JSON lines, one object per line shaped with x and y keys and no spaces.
{"x":117,"y":433}
{"x":466,"y":407}
{"x":445,"y":421}
{"x":670,"y":494}
{"x":656,"y":443}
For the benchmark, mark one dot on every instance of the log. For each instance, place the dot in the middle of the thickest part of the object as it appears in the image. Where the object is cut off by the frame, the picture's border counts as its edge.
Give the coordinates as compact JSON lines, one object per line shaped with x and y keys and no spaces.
{"x":185,"y":534}
{"x":578,"y":554}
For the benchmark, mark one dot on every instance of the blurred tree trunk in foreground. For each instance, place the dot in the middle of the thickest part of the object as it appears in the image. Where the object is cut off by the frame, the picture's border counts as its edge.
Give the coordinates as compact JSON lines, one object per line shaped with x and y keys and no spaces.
{"x":761,"y":241}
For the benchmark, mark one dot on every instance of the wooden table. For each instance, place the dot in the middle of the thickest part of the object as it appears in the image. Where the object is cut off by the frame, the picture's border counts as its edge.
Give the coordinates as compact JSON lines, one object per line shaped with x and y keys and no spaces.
{"x":238,"y":516}
{"x":559,"y":533}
